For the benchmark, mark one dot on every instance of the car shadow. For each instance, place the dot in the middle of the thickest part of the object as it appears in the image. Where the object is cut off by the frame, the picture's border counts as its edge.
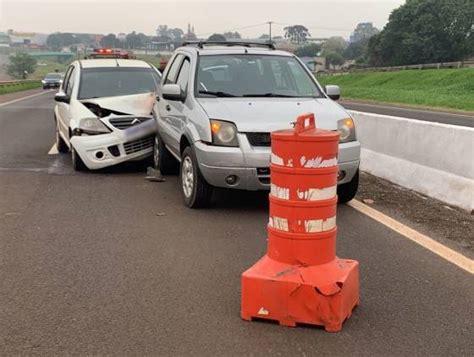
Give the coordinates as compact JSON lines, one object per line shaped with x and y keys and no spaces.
{"x":236,"y":200}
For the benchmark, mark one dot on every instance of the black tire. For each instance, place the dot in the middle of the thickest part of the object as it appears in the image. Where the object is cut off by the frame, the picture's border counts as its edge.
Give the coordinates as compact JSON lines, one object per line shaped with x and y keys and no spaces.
{"x":77,"y":163}
{"x":198,"y":194}
{"x":347,"y":191}
{"x":60,"y":143}
{"x":162,"y":158}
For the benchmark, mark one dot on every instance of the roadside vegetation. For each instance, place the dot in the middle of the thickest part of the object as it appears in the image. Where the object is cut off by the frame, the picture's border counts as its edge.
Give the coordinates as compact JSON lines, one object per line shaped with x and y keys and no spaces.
{"x":437,"y":88}
{"x":4,"y":89}
{"x":153,"y":59}
{"x":45,"y":67}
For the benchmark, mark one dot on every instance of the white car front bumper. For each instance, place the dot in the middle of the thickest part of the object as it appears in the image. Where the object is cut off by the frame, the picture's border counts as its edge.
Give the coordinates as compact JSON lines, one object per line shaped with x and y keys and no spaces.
{"x":103,"y":150}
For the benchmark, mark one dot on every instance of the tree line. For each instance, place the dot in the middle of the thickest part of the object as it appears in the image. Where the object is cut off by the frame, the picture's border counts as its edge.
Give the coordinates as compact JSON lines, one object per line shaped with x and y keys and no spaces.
{"x":420,"y":31}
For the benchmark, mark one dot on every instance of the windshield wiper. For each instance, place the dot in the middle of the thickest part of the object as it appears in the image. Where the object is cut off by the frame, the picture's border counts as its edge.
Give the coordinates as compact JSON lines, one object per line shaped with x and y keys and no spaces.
{"x":216,"y":94}
{"x":276,"y":95}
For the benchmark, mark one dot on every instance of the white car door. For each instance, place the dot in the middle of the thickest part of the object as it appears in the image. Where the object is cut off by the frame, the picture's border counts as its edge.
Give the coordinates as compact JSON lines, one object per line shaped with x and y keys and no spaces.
{"x":64,"y":109}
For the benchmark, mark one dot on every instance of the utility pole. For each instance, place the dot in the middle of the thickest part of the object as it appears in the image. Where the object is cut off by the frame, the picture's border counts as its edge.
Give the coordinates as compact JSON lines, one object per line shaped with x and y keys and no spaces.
{"x":270,"y":31}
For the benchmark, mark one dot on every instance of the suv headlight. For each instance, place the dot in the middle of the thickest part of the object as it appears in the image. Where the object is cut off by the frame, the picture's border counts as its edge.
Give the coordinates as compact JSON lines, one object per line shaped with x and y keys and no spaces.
{"x":346,"y":129}
{"x":224,"y":133}
{"x":91,"y":126}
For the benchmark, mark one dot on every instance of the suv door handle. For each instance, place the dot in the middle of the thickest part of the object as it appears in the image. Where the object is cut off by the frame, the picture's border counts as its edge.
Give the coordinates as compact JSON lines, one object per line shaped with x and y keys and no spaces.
{"x":168,"y":107}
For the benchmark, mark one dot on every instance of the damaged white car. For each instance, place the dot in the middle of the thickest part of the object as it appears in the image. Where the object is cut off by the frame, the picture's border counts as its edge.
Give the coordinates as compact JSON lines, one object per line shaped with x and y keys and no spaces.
{"x":104,"y":112}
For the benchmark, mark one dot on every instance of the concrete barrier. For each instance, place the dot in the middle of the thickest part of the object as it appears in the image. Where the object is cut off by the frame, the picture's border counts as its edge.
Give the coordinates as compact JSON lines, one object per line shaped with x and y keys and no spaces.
{"x":434,"y":159}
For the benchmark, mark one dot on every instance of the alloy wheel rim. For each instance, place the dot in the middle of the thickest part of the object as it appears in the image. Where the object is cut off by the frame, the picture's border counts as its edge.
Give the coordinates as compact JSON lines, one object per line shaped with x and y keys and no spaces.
{"x":187,"y":176}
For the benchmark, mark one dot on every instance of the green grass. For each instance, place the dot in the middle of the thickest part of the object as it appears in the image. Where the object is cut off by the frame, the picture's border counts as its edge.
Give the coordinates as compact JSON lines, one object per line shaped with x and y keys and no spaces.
{"x":4,"y":89}
{"x":155,"y":61}
{"x":45,"y":67}
{"x":437,"y":88}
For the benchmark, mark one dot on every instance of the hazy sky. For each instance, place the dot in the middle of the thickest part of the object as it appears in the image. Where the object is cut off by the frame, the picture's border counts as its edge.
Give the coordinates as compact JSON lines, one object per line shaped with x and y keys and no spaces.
{"x":323,"y":18}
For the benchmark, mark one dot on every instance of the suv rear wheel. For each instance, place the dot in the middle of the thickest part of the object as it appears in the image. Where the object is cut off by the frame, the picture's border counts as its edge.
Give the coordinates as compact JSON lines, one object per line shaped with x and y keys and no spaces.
{"x":347,"y":191}
{"x":196,"y":191}
{"x":162,"y":158}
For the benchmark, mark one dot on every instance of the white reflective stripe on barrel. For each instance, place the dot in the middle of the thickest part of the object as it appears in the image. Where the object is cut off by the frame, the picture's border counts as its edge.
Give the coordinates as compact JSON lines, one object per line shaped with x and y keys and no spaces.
{"x":277,"y":160}
{"x":317,"y":194}
{"x":279,"y":223}
{"x":317,"y":162}
{"x":319,"y":225}
{"x":280,"y":192}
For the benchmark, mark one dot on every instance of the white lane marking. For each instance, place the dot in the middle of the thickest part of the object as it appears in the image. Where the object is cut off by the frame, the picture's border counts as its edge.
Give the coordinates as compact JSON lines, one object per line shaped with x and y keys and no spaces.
{"x":27,"y":97}
{"x":426,"y":242}
{"x":53,"y":150}
{"x":409,"y":109}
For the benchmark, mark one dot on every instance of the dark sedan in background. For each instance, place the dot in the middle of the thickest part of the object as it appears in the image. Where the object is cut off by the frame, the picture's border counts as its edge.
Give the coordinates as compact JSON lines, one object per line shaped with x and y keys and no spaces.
{"x":52,"y":80}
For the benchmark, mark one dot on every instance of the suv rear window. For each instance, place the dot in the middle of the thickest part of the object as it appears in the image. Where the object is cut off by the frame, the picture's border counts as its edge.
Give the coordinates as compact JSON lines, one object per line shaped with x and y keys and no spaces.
{"x":254,"y":76}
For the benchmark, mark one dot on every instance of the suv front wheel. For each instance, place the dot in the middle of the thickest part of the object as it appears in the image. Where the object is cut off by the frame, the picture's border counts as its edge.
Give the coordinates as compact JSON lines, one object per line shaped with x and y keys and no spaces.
{"x":196,"y":191}
{"x":347,"y":191}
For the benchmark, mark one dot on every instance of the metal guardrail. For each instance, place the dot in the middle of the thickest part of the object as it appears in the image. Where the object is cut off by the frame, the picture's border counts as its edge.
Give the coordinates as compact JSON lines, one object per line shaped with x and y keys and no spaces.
{"x":17,"y":82}
{"x":458,"y":64}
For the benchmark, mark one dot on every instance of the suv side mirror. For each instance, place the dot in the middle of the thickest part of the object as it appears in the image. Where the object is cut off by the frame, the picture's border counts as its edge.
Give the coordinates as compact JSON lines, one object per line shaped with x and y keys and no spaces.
{"x":333,"y":92}
{"x":62,"y":97}
{"x":172,"y":92}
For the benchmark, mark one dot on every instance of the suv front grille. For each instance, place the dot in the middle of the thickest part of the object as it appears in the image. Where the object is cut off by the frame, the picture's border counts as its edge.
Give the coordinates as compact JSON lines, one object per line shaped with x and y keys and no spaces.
{"x":139,"y":145}
{"x":259,"y":139}
{"x":126,"y":122}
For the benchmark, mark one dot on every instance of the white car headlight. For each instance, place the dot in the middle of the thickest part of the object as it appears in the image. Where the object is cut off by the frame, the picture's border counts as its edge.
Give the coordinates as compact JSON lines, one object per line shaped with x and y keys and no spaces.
{"x":346,"y":129}
{"x":91,"y":126}
{"x":224,"y":133}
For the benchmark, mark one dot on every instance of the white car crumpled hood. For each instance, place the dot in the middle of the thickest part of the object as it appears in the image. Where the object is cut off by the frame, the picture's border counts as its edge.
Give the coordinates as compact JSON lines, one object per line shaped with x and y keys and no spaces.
{"x":269,"y":114}
{"x":135,"y":104}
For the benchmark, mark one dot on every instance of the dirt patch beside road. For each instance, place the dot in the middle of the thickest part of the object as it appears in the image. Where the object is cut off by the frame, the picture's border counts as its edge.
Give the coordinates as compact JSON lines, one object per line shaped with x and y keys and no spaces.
{"x":448,"y":225}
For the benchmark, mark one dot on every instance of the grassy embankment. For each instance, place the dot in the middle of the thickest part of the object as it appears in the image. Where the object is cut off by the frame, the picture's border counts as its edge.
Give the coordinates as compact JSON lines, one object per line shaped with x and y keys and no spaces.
{"x":4,"y":89}
{"x":154,"y":60}
{"x":42,"y":69}
{"x":45,"y":67}
{"x":451,"y":89}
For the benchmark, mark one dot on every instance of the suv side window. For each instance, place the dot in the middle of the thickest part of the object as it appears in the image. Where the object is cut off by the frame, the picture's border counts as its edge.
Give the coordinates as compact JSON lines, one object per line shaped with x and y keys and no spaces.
{"x":173,"y":71}
{"x":70,"y":83}
{"x":183,"y":75}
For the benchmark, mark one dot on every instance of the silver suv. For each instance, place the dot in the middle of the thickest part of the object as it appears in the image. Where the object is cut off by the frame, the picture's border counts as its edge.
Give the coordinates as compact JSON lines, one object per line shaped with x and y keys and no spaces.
{"x":217,"y":105}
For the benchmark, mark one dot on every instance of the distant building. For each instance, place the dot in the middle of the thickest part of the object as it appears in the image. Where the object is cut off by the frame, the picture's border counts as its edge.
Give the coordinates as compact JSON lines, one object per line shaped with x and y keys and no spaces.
{"x":27,"y":39}
{"x":364,"y":30}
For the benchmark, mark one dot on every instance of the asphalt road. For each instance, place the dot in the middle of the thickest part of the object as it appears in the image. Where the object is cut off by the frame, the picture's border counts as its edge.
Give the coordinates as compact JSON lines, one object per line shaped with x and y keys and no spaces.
{"x":419,"y":114}
{"x":109,"y":263}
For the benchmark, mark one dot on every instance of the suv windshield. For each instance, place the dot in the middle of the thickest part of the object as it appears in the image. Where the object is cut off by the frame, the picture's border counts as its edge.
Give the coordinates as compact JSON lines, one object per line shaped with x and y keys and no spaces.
{"x":254,"y":76}
{"x":116,"y":81}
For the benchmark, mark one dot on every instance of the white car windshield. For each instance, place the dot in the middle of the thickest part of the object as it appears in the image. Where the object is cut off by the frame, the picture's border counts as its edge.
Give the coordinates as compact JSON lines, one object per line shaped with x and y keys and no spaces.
{"x":116,"y":81}
{"x":254,"y":76}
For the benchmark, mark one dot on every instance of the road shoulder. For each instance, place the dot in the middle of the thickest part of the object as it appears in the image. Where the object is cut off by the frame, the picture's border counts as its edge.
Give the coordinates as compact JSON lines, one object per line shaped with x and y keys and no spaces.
{"x":422,"y":108}
{"x":447,"y":225}
{"x":9,"y":97}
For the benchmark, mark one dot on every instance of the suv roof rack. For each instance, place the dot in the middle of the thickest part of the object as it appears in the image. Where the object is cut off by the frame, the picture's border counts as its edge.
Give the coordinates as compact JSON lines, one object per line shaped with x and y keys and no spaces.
{"x":201,"y":44}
